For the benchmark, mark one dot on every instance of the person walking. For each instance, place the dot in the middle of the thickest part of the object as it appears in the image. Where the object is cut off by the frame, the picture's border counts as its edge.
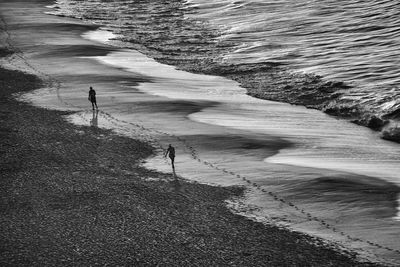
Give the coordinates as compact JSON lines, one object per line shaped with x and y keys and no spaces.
{"x":171,"y":153}
{"x":92,"y":97}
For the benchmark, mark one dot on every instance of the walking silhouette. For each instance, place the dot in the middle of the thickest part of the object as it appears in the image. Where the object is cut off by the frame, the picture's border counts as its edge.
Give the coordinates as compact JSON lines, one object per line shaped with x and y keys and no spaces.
{"x":171,"y":153}
{"x":92,"y":97}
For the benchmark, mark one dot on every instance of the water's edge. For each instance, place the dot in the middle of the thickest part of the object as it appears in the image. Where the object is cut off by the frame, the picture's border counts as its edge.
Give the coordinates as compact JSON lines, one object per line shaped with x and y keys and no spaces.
{"x":202,"y":51}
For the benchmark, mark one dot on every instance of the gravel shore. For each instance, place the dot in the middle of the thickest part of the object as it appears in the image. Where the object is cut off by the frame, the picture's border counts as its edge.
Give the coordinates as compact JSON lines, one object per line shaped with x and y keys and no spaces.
{"x":77,"y":196}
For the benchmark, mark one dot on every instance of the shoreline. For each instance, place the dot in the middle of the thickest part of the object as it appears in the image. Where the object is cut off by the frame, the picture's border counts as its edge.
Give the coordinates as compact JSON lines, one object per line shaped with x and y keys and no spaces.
{"x":264,"y":80}
{"x":77,"y":195}
{"x":74,"y":195}
{"x":92,"y":198}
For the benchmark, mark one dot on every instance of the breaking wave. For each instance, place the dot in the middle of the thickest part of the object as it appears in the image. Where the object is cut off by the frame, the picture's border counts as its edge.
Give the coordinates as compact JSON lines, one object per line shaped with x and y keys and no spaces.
{"x":339,"y":58}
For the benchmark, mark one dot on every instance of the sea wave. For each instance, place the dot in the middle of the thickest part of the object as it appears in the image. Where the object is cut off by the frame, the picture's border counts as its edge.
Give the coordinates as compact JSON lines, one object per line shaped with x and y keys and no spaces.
{"x":339,"y":58}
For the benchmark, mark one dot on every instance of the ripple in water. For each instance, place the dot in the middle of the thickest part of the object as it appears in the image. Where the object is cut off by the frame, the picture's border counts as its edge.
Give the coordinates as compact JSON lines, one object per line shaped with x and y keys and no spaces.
{"x":261,"y":43}
{"x":260,"y":52}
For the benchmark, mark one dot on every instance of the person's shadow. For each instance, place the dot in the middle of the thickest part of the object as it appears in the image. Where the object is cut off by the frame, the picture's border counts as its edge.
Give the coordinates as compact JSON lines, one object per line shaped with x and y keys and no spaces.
{"x":173,"y":171}
{"x":94,"y":121}
{"x":176,"y":185}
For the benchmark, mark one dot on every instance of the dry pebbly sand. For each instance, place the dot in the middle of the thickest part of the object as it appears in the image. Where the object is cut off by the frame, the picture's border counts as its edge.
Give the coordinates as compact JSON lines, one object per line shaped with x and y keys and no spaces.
{"x":76,"y":196}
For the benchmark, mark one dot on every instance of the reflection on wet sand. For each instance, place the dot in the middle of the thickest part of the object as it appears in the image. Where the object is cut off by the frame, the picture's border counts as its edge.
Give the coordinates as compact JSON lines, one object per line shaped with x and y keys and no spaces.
{"x":94,"y":121}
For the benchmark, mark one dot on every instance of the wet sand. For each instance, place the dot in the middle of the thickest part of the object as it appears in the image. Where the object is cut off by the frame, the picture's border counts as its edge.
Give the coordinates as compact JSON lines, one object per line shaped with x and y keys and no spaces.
{"x":76,"y":195}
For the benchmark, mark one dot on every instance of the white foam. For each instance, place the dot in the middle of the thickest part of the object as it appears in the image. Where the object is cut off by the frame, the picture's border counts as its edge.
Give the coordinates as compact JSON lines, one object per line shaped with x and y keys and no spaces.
{"x":100,"y":35}
{"x":321,"y":141}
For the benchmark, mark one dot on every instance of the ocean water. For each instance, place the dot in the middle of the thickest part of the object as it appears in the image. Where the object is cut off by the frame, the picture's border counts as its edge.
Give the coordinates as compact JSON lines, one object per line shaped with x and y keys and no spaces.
{"x":306,"y":170}
{"x":300,"y":52}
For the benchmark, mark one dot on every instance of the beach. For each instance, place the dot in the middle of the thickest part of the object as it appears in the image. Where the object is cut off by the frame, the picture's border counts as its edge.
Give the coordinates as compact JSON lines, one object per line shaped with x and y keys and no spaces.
{"x":81,"y":187}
